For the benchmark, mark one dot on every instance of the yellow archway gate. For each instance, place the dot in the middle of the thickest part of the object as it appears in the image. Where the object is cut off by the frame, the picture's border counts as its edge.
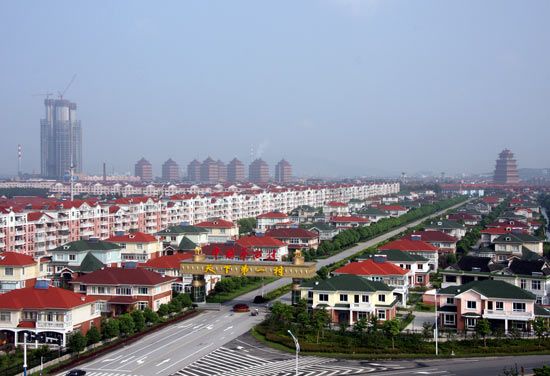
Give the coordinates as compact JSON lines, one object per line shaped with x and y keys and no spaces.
{"x":199,"y":266}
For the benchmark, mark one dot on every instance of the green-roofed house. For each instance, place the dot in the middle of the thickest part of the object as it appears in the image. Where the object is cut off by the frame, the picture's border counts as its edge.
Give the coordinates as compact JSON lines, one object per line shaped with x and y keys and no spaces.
{"x":173,"y":235}
{"x":512,"y":245}
{"x":325,"y":230}
{"x":453,"y":228}
{"x":372,"y":214}
{"x":349,"y":298}
{"x":418,"y":266}
{"x":505,"y":306}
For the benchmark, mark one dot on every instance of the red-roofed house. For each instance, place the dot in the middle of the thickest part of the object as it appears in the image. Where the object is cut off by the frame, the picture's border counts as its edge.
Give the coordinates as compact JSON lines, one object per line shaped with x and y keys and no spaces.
{"x":119,"y":290}
{"x":220,"y":230}
{"x":170,"y":266}
{"x":296,"y":238}
{"x":491,"y":233}
{"x":446,"y":243}
{"x":335,"y":208}
{"x":468,"y":219}
{"x":344,"y":222}
{"x":137,"y":246}
{"x":269,"y":248}
{"x":46,"y":314}
{"x":417,"y":247}
{"x":379,"y":269}
{"x":18,"y":270}
{"x":271,"y":220}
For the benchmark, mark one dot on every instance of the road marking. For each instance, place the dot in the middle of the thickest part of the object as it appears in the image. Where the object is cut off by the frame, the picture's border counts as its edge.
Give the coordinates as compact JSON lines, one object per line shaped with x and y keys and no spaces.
{"x":141,"y":360}
{"x":164,"y":361}
{"x":182,"y":359}
{"x":229,"y":327}
{"x":127,"y":359}
{"x":112,"y":359}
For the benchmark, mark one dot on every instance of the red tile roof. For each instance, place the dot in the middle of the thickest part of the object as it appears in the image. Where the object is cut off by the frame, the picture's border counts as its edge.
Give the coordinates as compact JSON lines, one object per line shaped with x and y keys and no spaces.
{"x":370,"y":267}
{"x":27,"y":324}
{"x":495,"y":231}
{"x":50,"y":298}
{"x":35,"y":216}
{"x":121,"y":276}
{"x":291,"y":233}
{"x":433,"y":236}
{"x":168,"y":262}
{"x":273,"y":215}
{"x":135,"y":237}
{"x":392,"y":208}
{"x":217,"y":223}
{"x":259,"y":242}
{"x":350,"y":218}
{"x":336,"y":204}
{"x":16,"y":259}
{"x":408,"y":245}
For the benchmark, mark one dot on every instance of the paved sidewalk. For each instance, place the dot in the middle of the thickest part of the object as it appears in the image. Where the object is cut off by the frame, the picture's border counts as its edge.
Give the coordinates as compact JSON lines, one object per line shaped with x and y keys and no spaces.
{"x":420,"y":318}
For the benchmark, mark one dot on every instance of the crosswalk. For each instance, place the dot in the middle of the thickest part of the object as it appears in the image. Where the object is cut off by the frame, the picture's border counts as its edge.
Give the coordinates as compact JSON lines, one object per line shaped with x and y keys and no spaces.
{"x":226,"y":362}
{"x":104,"y":373}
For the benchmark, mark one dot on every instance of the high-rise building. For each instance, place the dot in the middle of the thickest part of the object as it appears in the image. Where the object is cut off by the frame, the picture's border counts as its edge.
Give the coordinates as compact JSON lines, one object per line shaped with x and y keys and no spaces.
{"x":209,"y":171}
{"x":235,"y":171}
{"x":170,"y":171}
{"x":222,"y":171}
{"x":506,"y":169}
{"x":194,"y":171}
{"x":283,"y":172}
{"x":144,"y":169}
{"x":258,"y":171}
{"x":60,"y":139}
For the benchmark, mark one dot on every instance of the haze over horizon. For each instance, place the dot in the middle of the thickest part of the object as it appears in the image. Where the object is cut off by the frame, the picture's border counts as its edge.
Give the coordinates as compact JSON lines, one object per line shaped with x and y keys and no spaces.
{"x":337,"y":87}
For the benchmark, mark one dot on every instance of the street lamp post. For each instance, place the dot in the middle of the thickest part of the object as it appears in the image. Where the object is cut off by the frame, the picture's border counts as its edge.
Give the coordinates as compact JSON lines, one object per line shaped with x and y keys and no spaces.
{"x":24,"y":354}
{"x":297,"y":344}
{"x":436,"y":334}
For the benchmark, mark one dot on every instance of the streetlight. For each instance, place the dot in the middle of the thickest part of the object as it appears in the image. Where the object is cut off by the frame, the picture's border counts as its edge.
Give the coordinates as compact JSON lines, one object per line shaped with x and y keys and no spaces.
{"x":297,"y":349}
{"x":436,"y":334}
{"x":24,"y":354}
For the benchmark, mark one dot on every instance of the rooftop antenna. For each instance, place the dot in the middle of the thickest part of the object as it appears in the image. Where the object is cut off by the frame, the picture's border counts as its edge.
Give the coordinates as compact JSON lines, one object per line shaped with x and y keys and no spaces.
{"x":62,"y":93}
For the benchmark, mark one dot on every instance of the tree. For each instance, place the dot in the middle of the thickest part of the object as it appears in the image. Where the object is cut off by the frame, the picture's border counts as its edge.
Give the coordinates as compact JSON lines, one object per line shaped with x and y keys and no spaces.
{"x":320,"y":319}
{"x":93,"y":335}
{"x":164,"y":310}
{"x":126,"y":324}
{"x":392,"y":328}
{"x":139,"y":319}
{"x":323,"y":272}
{"x":373,"y":323}
{"x":427,"y":330}
{"x":246,"y":225}
{"x":110,"y":329}
{"x":185,"y":300}
{"x":360,"y":326}
{"x":483,"y":329}
{"x":301,"y":314}
{"x":174,"y":306}
{"x":151,"y":317}
{"x":77,"y":342}
{"x":544,"y":371}
{"x":540,"y":327}
{"x":281,"y":314}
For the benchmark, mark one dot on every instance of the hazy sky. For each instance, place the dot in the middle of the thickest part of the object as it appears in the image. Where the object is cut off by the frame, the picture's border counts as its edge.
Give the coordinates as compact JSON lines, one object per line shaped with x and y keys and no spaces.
{"x":338,"y":87}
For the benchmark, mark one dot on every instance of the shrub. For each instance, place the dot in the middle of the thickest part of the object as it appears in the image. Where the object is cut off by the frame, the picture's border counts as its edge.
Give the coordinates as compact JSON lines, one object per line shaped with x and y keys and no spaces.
{"x":139,"y":319}
{"x":110,"y":329}
{"x":150,"y":316}
{"x":126,"y":324}
{"x":93,"y":335}
{"x":77,"y":342}
{"x":163,"y":310}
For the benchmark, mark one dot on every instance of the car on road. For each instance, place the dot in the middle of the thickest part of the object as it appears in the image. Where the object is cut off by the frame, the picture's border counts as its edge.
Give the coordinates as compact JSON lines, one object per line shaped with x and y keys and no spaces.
{"x":241,"y":307}
{"x":76,"y":372}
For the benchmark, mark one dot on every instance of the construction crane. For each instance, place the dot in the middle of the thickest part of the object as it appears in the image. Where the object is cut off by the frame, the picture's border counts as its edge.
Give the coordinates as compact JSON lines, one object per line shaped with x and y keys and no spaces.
{"x":62,"y":93}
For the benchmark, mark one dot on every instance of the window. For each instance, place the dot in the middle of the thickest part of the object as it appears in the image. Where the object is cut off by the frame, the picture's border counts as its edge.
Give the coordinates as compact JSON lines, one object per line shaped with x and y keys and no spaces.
{"x":499,"y":306}
{"x":523,"y":283}
{"x":5,"y":316}
{"x":420,"y":279}
{"x":123,"y":291}
{"x":519,"y":307}
{"x":381,"y":315}
{"x":142,"y":305}
{"x":140,"y":246}
{"x":101,"y":289}
{"x":365,"y":298}
{"x":72,"y":257}
{"x":323,"y":297}
{"x":23,"y":270}
{"x":449,"y":319}
{"x":27,"y":315}
{"x":343,"y":297}
{"x":451,"y":301}
{"x":535,"y":285}
{"x":82,"y":288}
{"x":450,"y":278}
{"x":408,"y":266}
{"x":101,"y":306}
{"x":471,"y":304}
{"x":470,"y":323}
{"x":381,"y":298}
{"x":143,"y":290}
{"x":310,"y":294}
{"x":8,"y":271}
{"x":362,"y":315}
{"x":420,"y":266}
{"x":539,"y":300}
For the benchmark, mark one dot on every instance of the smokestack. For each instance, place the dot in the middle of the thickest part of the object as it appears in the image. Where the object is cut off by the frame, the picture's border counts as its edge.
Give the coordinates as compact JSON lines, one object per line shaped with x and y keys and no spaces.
{"x":104,"y":172}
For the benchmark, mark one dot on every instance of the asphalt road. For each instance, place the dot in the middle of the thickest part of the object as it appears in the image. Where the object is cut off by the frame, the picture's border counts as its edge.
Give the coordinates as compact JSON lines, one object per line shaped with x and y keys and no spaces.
{"x":177,"y":346}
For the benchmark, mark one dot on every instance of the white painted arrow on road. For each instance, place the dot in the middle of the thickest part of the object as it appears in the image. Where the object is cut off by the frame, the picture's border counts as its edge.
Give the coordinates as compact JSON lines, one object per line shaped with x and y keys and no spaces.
{"x":113,"y":359}
{"x":142,"y":360}
{"x":127,"y":359}
{"x":164,"y":361}
{"x":229,"y":327}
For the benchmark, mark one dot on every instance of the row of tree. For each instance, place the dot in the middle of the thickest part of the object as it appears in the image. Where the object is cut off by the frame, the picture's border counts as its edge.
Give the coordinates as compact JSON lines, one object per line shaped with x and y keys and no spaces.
{"x":127,"y":324}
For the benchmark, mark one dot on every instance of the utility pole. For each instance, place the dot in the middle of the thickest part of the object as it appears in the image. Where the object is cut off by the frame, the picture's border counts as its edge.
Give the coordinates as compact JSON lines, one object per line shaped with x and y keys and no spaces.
{"x":436,"y":334}
{"x":297,"y":349}
{"x":24,"y":354}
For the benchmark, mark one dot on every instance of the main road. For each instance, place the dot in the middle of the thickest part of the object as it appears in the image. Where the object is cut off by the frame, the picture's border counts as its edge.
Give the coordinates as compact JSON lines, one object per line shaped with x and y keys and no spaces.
{"x":176,"y":346}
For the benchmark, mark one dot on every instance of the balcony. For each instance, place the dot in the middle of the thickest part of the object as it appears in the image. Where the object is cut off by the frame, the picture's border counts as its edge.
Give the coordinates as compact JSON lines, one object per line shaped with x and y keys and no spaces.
{"x":54,"y":324}
{"x":363,"y":307}
{"x":510,"y":315}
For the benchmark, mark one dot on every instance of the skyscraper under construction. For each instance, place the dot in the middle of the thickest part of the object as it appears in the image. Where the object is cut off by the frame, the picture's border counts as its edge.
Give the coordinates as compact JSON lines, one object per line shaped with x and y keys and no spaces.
{"x":60,"y":139}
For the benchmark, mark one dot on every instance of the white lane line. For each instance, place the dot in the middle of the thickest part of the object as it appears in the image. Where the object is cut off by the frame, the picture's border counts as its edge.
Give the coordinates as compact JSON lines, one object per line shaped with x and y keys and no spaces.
{"x":182,"y":359}
{"x":229,"y":327}
{"x":127,"y":359}
{"x":112,"y":359}
{"x":141,"y":360}
{"x":164,"y":361}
